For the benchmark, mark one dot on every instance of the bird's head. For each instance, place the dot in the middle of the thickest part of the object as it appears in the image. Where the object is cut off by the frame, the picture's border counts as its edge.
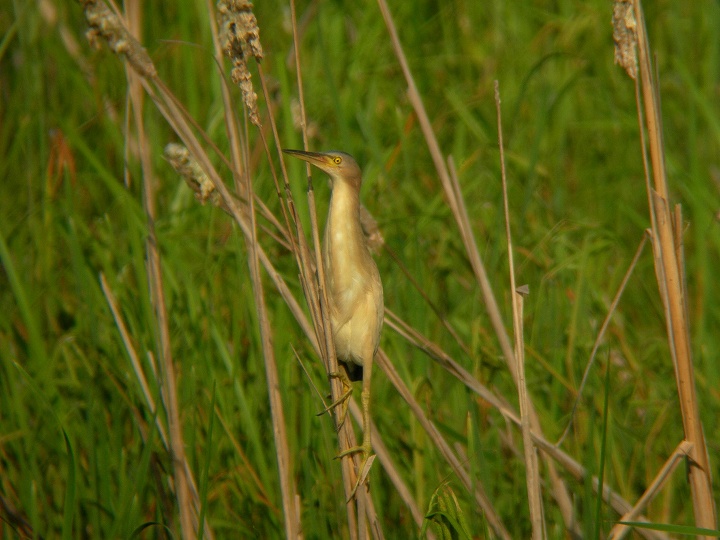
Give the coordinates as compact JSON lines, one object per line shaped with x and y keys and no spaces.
{"x":340,"y":166}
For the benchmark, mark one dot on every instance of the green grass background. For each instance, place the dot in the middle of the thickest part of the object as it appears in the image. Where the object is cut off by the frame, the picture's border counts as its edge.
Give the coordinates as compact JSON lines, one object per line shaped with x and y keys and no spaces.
{"x":73,"y":461}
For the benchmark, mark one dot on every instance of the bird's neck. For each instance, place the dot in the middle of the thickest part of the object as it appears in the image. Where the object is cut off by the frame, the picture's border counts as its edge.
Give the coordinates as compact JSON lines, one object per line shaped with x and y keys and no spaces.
{"x":344,"y":213}
{"x":344,"y":200}
{"x":345,"y":244}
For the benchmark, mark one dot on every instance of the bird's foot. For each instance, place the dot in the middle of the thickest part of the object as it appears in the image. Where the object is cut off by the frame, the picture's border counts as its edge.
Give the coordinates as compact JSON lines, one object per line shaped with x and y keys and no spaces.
{"x":364,"y":469}
{"x":365,"y":448}
{"x":342,"y":400}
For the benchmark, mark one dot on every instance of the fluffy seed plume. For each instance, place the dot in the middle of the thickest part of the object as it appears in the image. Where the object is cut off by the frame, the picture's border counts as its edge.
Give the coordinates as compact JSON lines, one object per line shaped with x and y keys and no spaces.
{"x":625,"y":36}
{"x":107,"y":26}
{"x":240,"y":39}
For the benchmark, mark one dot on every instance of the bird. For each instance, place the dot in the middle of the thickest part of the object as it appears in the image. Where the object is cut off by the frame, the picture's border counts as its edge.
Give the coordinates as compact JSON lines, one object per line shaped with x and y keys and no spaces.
{"x":355,"y":291}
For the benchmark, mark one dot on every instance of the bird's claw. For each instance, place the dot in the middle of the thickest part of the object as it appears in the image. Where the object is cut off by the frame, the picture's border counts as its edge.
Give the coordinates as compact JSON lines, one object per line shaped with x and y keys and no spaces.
{"x":342,"y":400}
{"x":365,"y":465}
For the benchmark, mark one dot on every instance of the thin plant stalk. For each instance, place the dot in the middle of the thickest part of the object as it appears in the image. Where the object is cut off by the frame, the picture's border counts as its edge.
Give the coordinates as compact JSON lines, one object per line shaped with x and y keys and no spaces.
{"x":168,"y":378}
{"x":532,"y":475}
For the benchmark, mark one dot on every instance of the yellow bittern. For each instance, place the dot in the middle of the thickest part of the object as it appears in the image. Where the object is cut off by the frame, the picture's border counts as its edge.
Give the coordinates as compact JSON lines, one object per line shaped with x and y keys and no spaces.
{"x":355,"y":292}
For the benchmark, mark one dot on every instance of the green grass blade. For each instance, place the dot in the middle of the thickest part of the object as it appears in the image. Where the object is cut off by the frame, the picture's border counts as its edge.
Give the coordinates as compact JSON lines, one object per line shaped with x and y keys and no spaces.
{"x":603,"y":448}
{"x":70,"y":490}
{"x":205,"y":477}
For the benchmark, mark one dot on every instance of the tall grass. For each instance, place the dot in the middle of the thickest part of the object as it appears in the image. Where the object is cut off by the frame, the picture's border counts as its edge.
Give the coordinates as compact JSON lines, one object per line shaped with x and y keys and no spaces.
{"x":163,"y":361}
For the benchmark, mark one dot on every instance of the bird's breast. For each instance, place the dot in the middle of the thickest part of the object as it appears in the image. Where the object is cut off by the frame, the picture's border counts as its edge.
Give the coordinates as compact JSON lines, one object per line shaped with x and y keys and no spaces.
{"x":355,"y":290}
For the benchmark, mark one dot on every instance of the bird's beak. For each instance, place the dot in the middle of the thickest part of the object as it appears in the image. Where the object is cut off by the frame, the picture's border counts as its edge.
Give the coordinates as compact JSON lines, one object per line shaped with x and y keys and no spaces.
{"x":318,"y":159}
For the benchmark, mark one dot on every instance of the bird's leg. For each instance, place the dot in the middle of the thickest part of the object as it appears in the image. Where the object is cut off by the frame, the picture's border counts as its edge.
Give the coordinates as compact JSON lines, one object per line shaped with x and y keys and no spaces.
{"x":343,"y":399}
{"x":366,"y":447}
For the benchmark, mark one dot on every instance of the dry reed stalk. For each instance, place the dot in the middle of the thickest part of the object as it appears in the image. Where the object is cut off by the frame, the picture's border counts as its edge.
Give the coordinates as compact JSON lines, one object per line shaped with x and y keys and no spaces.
{"x":454,"y":197}
{"x":167,"y":372}
{"x":631,"y":37}
{"x":534,"y":487}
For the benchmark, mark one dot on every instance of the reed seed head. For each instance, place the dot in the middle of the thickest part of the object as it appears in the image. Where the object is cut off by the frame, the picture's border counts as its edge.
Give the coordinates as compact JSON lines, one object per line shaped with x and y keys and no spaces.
{"x":186,"y":166}
{"x":240,"y":39}
{"x":107,"y":26}
{"x":625,"y":36}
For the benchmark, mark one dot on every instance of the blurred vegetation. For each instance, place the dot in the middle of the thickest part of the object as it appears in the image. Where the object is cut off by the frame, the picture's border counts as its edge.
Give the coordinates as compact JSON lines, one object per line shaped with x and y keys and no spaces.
{"x":78,"y":455}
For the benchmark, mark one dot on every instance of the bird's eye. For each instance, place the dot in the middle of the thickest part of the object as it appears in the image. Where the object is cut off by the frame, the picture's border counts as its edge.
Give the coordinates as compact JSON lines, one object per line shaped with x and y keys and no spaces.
{"x":337,"y":160}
